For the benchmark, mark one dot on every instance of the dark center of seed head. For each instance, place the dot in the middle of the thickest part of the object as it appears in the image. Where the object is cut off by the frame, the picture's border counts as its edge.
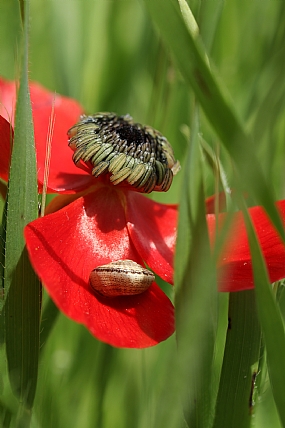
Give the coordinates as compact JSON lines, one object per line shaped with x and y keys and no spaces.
{"x":131,"y":134}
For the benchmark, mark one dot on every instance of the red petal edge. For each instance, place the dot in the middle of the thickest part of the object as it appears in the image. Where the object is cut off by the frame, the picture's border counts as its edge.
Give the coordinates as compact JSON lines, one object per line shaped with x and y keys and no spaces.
{"x":219,"y":199}
{"x":153,"y":227}
{"x":64,"y":176}
{"x":65,"y":246}
{"x":235,"y":265}
{"x":7,"y":99}
{"x":6,"y":136}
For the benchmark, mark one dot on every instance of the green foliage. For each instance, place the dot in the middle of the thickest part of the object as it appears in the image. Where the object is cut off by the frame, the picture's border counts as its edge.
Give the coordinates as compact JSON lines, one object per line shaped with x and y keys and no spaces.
{"x":225,"y":85}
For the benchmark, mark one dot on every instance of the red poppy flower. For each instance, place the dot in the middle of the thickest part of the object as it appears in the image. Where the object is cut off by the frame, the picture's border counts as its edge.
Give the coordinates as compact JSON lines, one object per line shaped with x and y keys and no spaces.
{"x":100,"y":223}
{"x":97,"y":225}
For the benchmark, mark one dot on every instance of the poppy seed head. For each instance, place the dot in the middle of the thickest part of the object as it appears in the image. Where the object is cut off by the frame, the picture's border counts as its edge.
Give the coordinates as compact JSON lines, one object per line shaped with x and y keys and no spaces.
{"x":128,"y":151}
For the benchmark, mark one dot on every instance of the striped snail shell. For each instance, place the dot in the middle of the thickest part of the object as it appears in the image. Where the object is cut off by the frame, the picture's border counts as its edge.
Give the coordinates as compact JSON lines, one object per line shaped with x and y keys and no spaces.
{"x":120,"y":278}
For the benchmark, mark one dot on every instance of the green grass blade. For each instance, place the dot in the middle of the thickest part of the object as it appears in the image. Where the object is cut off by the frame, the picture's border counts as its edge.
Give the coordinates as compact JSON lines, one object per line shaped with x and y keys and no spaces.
{"x":22,"y":308}
{"x":271,"y":321}
{"x":191,"y":58}
{"x":2,"y":256}
{"x":233,"y":409}
{"x":209,"y":16}
{"x":5,"y":416}
{"x":196,"y":295}
{"x":189,"y":18}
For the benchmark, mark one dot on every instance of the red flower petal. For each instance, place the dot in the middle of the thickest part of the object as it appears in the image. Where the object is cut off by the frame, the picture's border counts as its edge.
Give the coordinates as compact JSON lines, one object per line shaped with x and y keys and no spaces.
{"x":211,"y":202}
{"x":6,"y":135}
{"x":60,"y":201}
{"x":64,"y":176}
{"x":66,"y":246}
{"x":7,"y":99}
{"x":235,"y":266}
{"x":152,"y":227}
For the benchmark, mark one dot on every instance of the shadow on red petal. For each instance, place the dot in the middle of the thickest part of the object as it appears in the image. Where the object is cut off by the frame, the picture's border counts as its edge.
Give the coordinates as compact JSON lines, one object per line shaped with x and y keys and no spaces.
{"x":218,"y":201}
{"x":33,"y":234}
{"x":107,"y":211}
{"x":66,"y":183}
{"x":152,"y":227}
{"x":134,"y":321}
{"x":6,"y":137}
{"x":7,"y":99}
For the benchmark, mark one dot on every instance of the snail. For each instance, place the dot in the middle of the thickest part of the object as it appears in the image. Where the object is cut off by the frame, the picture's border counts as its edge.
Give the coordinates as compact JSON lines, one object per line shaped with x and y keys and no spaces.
{"x":120,"y":278}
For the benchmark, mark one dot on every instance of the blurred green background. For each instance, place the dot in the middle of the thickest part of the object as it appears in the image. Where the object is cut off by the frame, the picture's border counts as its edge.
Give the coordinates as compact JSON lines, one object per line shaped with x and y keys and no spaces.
{"x":108,"y":55}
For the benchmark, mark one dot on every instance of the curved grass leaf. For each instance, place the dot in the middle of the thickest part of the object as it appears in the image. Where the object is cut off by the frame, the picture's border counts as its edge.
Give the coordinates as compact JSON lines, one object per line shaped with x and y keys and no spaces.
{"x":191,"y":58}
